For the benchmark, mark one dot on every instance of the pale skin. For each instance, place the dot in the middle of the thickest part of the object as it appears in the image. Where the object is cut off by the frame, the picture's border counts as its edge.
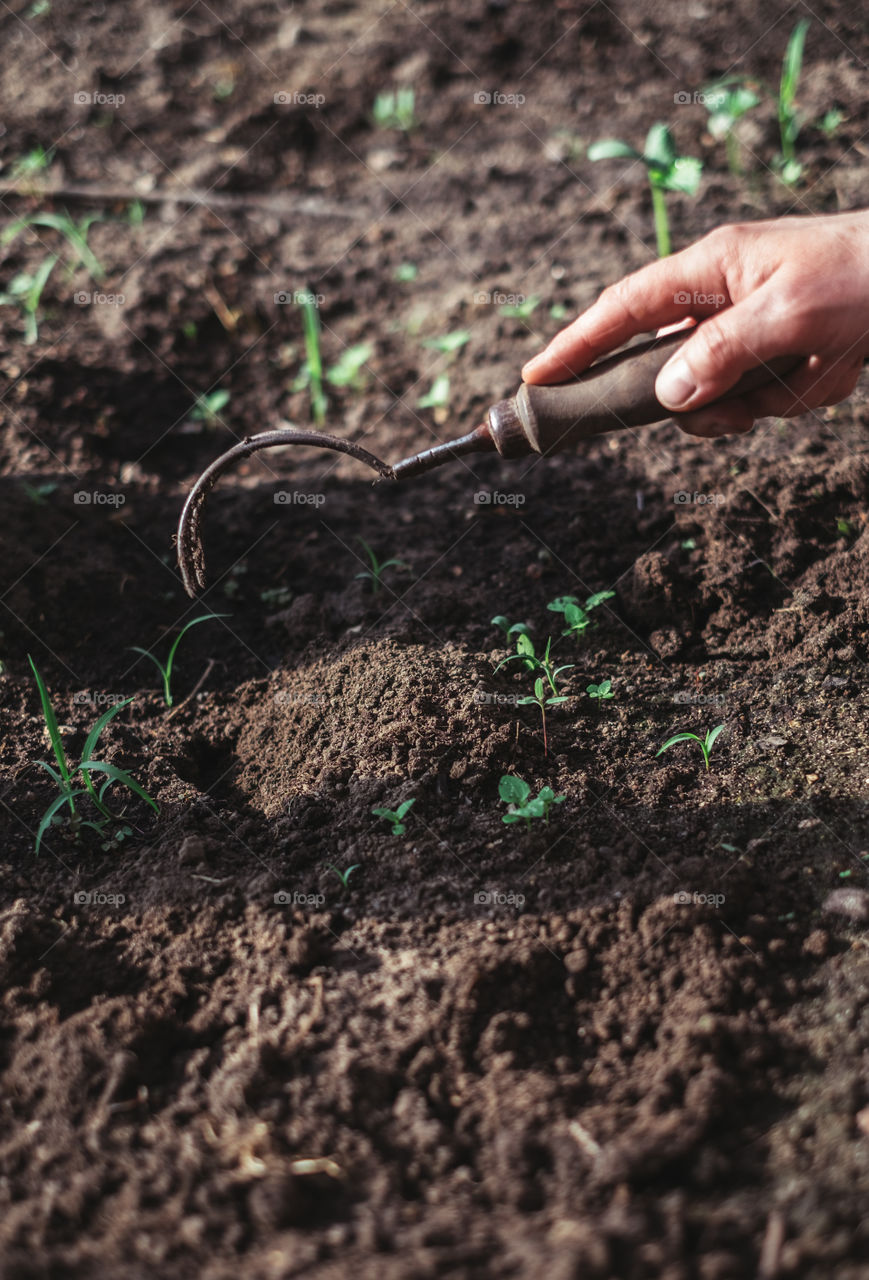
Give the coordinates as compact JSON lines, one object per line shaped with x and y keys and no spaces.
{"x":790,"y":287}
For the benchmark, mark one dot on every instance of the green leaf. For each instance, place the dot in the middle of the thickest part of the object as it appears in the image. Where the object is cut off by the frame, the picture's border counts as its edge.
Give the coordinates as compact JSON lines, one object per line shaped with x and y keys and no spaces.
{"x":538,"y":689}
{"x":684,"y":175}
{"x":712,"y":735}
{"x":403,"y":808}
{"x":525,"y":645}
{"x":560,"y":604}
{"x":449,"y":342}
{"x":118,"y":775}
{"x":57,"y":803}
{"x":94,"y":735}
{"x":593,"y":602}
{"x":612,"y":149}
{"x":793,"y":61}
{"x":347,"y":370}
{"x":51,"y":723}
{"x":438,"y":396}
{"x":660,"y":149}
{"x":513,"y":790}
{"x":678,"y":737}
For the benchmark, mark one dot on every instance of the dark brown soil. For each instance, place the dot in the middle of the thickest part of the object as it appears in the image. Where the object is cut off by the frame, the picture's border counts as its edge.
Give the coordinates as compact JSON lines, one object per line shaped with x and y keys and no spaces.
{"x":630,"y":1043}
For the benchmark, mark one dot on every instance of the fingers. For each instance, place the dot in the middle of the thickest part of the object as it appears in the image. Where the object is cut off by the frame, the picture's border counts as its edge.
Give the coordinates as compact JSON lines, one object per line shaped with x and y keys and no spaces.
{"x":660,"y":294}
{"x":722,"y":349}
{"x":815,"y":383}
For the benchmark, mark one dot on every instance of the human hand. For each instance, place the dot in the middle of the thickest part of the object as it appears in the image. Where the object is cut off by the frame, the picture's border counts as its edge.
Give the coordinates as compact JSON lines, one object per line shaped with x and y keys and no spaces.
{"x":792,"y":286}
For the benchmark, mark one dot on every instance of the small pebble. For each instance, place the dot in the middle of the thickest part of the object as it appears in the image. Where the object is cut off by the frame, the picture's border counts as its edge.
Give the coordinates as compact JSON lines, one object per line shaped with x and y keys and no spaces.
{"x":851,"y":903}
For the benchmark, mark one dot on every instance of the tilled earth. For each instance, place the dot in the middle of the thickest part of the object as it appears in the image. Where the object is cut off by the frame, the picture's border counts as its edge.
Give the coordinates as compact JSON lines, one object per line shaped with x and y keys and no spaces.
{"x":631,"y":1042}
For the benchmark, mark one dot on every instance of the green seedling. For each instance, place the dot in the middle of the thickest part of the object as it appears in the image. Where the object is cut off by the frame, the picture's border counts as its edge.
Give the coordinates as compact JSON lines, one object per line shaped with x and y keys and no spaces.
{"x":25,"y":289}
{"x":65,"y":774}
{"x":34,"y":161}
{"x":522,"y":806}
{"x":843,"y":527}
{"x":665,"y":169}
{"x":727,"y":102}
{"x":406,"y":272}
{"x":576,"y":615}
{"x":208,"y":406}
{"x":394,"y":109}
{"x":558,"y":311}
{"x":438,"y":395}
{"x":527,"y":655}
{"x":449,"y":342}
{"x":510,"y":629}
{"x":830,"y":121}
{"x":135,"y":213}
{"x":38,"y":493}
{"x":166,"y":671}
{"x":344,"y":876}
{"x":311,"y":374}
{"x":347,"y":371}
{"x":520,"y":310}
{"x":395,"y":816}
{"x":705,"y":744}
{"x":374,"y":575}
{"x":542,"y":699}
{"x":600,"y":691}
{"x":790,"y":121}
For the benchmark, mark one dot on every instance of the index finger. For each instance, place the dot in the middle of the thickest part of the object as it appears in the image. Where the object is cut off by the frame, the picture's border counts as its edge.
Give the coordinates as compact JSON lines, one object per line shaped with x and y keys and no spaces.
{"x":688,"y":284}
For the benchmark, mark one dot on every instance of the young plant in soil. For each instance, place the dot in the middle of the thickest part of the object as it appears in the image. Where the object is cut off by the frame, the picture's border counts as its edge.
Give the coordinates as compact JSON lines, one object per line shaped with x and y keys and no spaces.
{"x":600,"y":691}
{"x":520,"y":310}
{"x":344,"y":876}
{"x":311,"y":374}
{"x":576,"y":615}
{"x":347,"y":370}
{"x":727,"y":102}
{"x":208,"y":406}
{"x":542,"y":699}
{"x":790,"y":121}
{"x":510,"y":629}
{"x":65,"y":774}
{"x":25,"y":290}
{"x":394,"y":109}
{"x":374,"y":575}
{"x":438,"y":394}
{"x":705,"y":744}
{"x":395,"y":816}
{"x":523,"y":807}
{"x":449,"y":343}
{"x":166,"y":671}
{"x":665,"y":169}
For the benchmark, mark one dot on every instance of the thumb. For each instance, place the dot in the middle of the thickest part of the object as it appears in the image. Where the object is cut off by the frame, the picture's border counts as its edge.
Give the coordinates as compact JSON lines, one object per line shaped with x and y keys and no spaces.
{"x":718,"y":353}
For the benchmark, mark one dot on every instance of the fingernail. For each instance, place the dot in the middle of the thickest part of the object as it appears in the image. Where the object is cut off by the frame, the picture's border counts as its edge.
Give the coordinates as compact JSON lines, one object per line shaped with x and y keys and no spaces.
{"x":675,"y":384}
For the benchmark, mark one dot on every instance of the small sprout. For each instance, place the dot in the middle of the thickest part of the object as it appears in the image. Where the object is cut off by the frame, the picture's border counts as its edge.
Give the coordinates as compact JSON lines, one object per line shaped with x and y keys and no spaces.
{"x":705,"y":744}
{"x":522,"y":806}
{"x":727,"y":102}
{"x":527,"y":655}
{"x":575,"y":614}
{"x":395,"y":110}
{"x":374,"y":575}
{"x":344,"y":876}
{"x":166,"y":672}
{"x":843,"y":527}
{"x":135,"y":213}
{"x":558,"y":311}
{"x":406,"y":272}
{"x":688,"y":544}
{"x":449,"y":342}
{"x":65,"y":773}
{"x":438,"y":395}
{"x":542,"y":700}
{"x":830,"y":121}
{"x":208,"y":406}
{"x":189,"y":329}
{"x":520,"y":310}
{"x":510,"y":629}
{"x":395,"y":816}
{"x":310,"y":375}
{"x":665,"y":169}
{"x":790,"y":121}
{"x":347,"y":371}
{"x":600,"y":691}
{"x":37,"y":493}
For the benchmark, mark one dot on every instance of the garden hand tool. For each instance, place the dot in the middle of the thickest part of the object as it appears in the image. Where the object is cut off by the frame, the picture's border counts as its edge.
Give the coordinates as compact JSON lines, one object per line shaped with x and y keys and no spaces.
{"x":613,"y":394}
